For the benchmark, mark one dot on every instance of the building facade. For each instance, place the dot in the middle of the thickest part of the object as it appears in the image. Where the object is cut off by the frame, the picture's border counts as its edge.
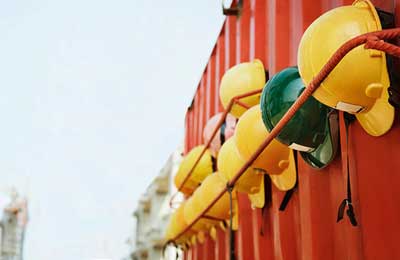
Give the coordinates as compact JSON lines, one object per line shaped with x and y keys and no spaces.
{"x":152,"y":214}
{"x":12,"y":228}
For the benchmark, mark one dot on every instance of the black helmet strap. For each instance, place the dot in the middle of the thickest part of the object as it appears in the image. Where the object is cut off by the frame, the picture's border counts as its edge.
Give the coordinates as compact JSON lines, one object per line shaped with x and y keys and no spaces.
{"x":348,"y":200}
{"x":267,"y":203}
{"x":289,"y":193}
{"x":222,"y":132}
{"x":285,"y":201}
{"x":231,"y":231}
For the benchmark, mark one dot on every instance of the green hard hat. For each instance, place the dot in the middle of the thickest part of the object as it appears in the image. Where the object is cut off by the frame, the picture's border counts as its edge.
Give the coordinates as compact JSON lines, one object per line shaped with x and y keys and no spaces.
{"x":314,"y":128}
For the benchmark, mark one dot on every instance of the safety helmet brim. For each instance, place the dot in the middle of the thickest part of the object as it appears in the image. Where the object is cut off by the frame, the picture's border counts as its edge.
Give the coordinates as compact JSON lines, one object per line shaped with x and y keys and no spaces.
{"x":287,"y":179}
{"x":379,"y":118}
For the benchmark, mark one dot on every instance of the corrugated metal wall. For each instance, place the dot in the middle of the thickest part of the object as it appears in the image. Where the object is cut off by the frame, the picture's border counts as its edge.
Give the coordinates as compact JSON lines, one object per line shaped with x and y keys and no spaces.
{"x":270,"y":30}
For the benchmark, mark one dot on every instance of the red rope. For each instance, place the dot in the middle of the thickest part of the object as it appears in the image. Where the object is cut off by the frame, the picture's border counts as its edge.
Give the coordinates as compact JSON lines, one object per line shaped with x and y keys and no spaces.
{"x":375,"y":43}
{"x":312,"y":86}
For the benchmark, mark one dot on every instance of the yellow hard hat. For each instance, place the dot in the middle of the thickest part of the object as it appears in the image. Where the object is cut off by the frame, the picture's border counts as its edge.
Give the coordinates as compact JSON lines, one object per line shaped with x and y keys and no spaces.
{"x":202,"y":170}
{"x":241,"y":79}
{"x":277,"y":159}
{"x":359,"y":83}
{"x":205,"y":194}
{"x":229,"y":162}
{"x":176,"y":225}
{"x":191,"y":212}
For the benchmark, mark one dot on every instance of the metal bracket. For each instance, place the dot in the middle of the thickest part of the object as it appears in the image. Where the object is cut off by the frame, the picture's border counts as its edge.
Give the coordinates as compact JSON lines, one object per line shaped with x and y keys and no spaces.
{"x":234,"y":10}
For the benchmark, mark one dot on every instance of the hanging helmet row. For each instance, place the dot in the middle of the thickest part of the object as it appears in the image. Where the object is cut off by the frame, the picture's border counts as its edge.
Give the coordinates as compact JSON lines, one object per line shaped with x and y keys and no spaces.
{"x":192,"y":208}
{"x":358,"y":85}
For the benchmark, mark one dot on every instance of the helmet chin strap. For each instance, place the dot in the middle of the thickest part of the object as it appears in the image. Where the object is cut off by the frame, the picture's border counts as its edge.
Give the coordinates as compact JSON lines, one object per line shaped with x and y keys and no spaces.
{"x":222,"y":133}
{"x":289,"y":193}
{"x":348,"y":200}
{"x":231,"y":231}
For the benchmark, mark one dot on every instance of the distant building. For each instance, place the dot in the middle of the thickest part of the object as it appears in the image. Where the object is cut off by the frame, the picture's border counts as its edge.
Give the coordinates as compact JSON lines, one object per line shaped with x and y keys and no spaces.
{"x":153,"y":212}
{"x":12,"y":228}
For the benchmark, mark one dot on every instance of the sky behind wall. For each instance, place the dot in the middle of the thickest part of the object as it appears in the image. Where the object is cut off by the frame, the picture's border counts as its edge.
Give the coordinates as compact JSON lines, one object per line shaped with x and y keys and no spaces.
{"x":93,"y":98}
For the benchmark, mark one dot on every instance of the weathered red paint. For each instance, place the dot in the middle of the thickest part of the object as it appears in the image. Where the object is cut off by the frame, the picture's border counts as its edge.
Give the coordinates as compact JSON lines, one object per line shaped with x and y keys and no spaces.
{"x":307,"y":229}
{"x":220,"y":241}
{"x":219,"y":67}
{"x":245,"y":243}
{"x":208,"y":248}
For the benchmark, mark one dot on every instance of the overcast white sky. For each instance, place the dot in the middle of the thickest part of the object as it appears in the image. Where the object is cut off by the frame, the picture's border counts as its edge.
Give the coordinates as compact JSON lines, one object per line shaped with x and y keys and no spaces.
{"x":92,"y":102}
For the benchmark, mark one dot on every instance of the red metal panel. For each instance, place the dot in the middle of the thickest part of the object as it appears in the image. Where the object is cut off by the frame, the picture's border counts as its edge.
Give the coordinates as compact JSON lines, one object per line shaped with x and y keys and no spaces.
{"x":193,"y":115}
{"x":222,"y":64}
{"x":220,"y":247}
{"x":296,"y":29}
{"x":201,"y":109}
{"x":190,"y":130}
{"x":196,"y":119}
{"x":245,"y":249}
{"x":189,"y":254}
{"x":199,"y":249}
{"x":310,"y":11}
{"x":187,"y":132}
{"x":263,"y":248}
{"x":319,"y":209}
{"x":208,"y":248}
{"x":194,"y":250}
{"x":279,"y":34}
{"x":243,"y":50}
{"x":208,"y":104}
{"x":260,"y":31}
{"x":219,"y":67}
{"x":204,"y":102}
{"x":344,"y":2}
{"x":256,"y":229}
{"x":397,"y":12}
{"x":230,"y":42}
{"x":376,"y":164}
{"x":213,"y":103}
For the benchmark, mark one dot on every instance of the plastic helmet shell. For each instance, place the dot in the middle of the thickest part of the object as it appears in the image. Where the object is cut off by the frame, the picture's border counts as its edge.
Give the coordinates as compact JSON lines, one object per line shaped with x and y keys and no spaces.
{"x":190,"y":214}
{"x":360,"y":81}
{"x":241,"y":79}
{"x":277,"y":160}
{"x":200,"y":172}
{"x":176,"y":225}
{"x":309,"y":131}
{"x":215,"y":145}
{"x":250,"y":133}
{"x":206,"y":193}
{"x":229,"y":162}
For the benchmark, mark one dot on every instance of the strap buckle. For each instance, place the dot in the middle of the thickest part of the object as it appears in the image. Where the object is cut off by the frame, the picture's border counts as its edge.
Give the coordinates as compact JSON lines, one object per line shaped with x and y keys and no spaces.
{"x":349,"y":212}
